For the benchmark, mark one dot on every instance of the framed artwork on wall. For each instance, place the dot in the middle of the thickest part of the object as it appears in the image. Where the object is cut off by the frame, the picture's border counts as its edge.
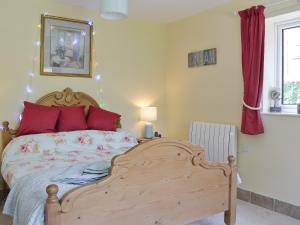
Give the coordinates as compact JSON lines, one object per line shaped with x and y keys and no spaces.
{"x":202,"y":58}
{"x":66,"y":47}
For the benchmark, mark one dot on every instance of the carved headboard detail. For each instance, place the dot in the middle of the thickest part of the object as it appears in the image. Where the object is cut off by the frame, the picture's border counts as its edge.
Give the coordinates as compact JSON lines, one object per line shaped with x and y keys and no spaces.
{"x":67,"y":98}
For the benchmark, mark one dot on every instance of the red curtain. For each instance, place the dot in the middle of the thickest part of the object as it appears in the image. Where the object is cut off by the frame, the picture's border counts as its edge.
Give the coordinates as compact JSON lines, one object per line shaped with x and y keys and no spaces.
{"x":253,"y":37}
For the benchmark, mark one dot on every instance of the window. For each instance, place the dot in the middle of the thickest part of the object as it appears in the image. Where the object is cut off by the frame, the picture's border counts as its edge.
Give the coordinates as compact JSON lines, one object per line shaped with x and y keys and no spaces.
{"x":282,"y":62}
{"x":290,"y":65}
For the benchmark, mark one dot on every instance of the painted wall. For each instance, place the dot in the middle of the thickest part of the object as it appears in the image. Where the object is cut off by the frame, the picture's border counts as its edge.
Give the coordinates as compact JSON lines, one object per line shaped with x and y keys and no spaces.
{"x":130,"y":53}
{"x":214,"y":94}
{"x":133,"y":57}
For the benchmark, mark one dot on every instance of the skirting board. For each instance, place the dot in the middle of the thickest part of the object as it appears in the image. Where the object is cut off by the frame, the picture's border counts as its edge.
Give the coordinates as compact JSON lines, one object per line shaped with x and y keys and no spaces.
{"x":269,"y":203}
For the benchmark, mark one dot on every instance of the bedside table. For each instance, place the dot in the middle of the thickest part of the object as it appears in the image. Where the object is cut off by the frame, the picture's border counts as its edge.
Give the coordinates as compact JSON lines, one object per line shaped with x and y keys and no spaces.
{"x":144,"y":140}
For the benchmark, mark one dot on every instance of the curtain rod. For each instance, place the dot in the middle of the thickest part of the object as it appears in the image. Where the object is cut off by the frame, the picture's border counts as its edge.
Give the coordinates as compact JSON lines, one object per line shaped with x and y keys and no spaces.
{"x":271,"y":5}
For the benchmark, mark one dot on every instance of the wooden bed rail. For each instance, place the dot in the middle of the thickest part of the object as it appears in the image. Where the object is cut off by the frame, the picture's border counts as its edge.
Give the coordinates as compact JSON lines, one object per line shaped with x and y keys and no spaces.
{"x":161,"y":182}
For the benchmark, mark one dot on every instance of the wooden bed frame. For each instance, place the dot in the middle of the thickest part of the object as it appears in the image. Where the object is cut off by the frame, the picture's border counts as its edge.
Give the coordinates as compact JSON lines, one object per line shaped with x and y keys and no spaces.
{"x":161,"y":182}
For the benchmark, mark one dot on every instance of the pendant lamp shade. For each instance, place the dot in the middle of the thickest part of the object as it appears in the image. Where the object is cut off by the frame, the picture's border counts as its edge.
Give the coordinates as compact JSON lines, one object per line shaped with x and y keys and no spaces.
{"x":114,"y":9}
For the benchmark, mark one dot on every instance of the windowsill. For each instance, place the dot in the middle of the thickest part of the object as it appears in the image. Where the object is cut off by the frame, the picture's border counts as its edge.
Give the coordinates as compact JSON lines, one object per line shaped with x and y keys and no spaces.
{"x":280,"y":114}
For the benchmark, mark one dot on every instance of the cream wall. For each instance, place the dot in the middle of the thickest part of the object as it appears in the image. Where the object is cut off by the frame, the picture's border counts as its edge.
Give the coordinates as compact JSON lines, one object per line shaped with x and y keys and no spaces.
{"x":214,"y":94}
{"x":130,"y":53}
{"x":133,"y":57}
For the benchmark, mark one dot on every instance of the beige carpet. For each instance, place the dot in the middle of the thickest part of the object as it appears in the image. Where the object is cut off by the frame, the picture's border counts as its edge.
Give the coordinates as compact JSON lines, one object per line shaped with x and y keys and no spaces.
{"x":247,"y":214}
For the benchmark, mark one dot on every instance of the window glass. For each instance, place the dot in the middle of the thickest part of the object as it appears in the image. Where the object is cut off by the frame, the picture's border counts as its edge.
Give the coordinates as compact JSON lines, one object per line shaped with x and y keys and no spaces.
{"x":291,"y":66}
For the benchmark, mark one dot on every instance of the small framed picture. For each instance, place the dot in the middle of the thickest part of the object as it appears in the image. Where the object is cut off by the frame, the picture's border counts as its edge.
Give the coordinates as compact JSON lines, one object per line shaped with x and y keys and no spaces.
{"x":202,"y":58}
{"x":66,"y":46}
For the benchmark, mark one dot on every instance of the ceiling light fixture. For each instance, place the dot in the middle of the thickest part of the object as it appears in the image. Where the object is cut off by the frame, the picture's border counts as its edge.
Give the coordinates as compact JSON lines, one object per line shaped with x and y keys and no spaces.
{"x":114,"y":9}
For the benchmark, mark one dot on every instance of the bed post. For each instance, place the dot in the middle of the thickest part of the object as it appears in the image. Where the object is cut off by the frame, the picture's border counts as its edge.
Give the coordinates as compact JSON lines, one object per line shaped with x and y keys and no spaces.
{"x":53,"y":208}
{"x":230,"y":215}
{"x":6,"y":136}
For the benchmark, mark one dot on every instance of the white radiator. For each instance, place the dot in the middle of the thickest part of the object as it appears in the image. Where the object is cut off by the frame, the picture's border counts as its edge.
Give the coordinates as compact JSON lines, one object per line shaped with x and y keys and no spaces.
{"x":218,"y":140}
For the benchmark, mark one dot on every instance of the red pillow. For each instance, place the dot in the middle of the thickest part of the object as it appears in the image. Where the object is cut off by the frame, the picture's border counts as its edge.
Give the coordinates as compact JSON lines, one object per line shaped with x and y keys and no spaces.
{"x":37,"y":119}
{"x":71,"y":118}
{"x":100,"y":119}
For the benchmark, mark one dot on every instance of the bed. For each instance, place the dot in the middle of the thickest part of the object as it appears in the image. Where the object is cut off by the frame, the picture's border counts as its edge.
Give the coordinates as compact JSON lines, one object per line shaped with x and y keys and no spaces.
{"x":162,"y":182}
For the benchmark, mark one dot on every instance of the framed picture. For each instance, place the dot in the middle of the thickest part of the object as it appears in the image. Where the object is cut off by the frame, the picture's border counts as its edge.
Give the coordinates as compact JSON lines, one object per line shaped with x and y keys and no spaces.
{"x":202,"y":58}
{"x":66,"y":46}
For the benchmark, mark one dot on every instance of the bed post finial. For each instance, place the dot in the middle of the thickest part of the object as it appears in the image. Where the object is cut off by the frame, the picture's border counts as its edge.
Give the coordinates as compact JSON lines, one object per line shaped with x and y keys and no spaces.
{"x":52,"y":191}
{"x":53,"y":207}
{"x":231,"y":160}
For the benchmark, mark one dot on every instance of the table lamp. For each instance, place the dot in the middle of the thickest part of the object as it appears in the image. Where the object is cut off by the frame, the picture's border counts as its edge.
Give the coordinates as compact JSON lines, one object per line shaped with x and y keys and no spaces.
{"x":148,"y":114}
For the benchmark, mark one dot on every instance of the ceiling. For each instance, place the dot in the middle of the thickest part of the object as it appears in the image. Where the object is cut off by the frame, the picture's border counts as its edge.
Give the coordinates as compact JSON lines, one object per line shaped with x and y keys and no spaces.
{"x":158,"y":10}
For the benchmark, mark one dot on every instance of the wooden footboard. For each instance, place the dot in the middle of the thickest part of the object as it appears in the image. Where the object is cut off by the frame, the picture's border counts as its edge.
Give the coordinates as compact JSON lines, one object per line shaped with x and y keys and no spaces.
{"x":161,"y":182}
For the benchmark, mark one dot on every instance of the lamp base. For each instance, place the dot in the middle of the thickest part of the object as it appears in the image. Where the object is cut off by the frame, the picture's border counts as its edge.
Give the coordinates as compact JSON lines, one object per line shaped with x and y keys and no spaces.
{"x":148,"y":131}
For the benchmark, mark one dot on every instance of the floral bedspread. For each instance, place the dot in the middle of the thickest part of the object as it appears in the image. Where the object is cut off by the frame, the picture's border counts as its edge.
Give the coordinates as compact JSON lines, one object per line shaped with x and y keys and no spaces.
{"x":32,"y":153}
{"x":31,"y":162}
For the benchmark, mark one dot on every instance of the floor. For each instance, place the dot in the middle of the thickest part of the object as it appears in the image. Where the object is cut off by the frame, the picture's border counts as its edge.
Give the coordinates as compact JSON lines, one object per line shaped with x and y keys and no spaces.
{"x":247,"y":214}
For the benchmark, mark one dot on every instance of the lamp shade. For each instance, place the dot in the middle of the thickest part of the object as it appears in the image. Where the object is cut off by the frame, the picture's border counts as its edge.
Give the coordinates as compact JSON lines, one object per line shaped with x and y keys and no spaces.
{"x":148,"y":114}
{"x":114,"y":9}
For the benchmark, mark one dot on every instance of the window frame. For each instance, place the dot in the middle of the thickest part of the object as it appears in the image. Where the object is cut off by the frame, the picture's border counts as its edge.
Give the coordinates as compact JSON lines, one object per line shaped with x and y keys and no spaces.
{"x":280,"y":59}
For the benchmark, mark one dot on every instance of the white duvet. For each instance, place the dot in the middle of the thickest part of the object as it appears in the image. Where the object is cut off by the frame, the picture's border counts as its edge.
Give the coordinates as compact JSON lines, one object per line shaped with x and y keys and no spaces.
{"x":33,"y":162}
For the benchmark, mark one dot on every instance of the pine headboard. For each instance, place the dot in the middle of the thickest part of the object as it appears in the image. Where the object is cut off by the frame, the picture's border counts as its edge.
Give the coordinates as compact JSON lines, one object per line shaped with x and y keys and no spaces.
{"x":57,"y":98}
